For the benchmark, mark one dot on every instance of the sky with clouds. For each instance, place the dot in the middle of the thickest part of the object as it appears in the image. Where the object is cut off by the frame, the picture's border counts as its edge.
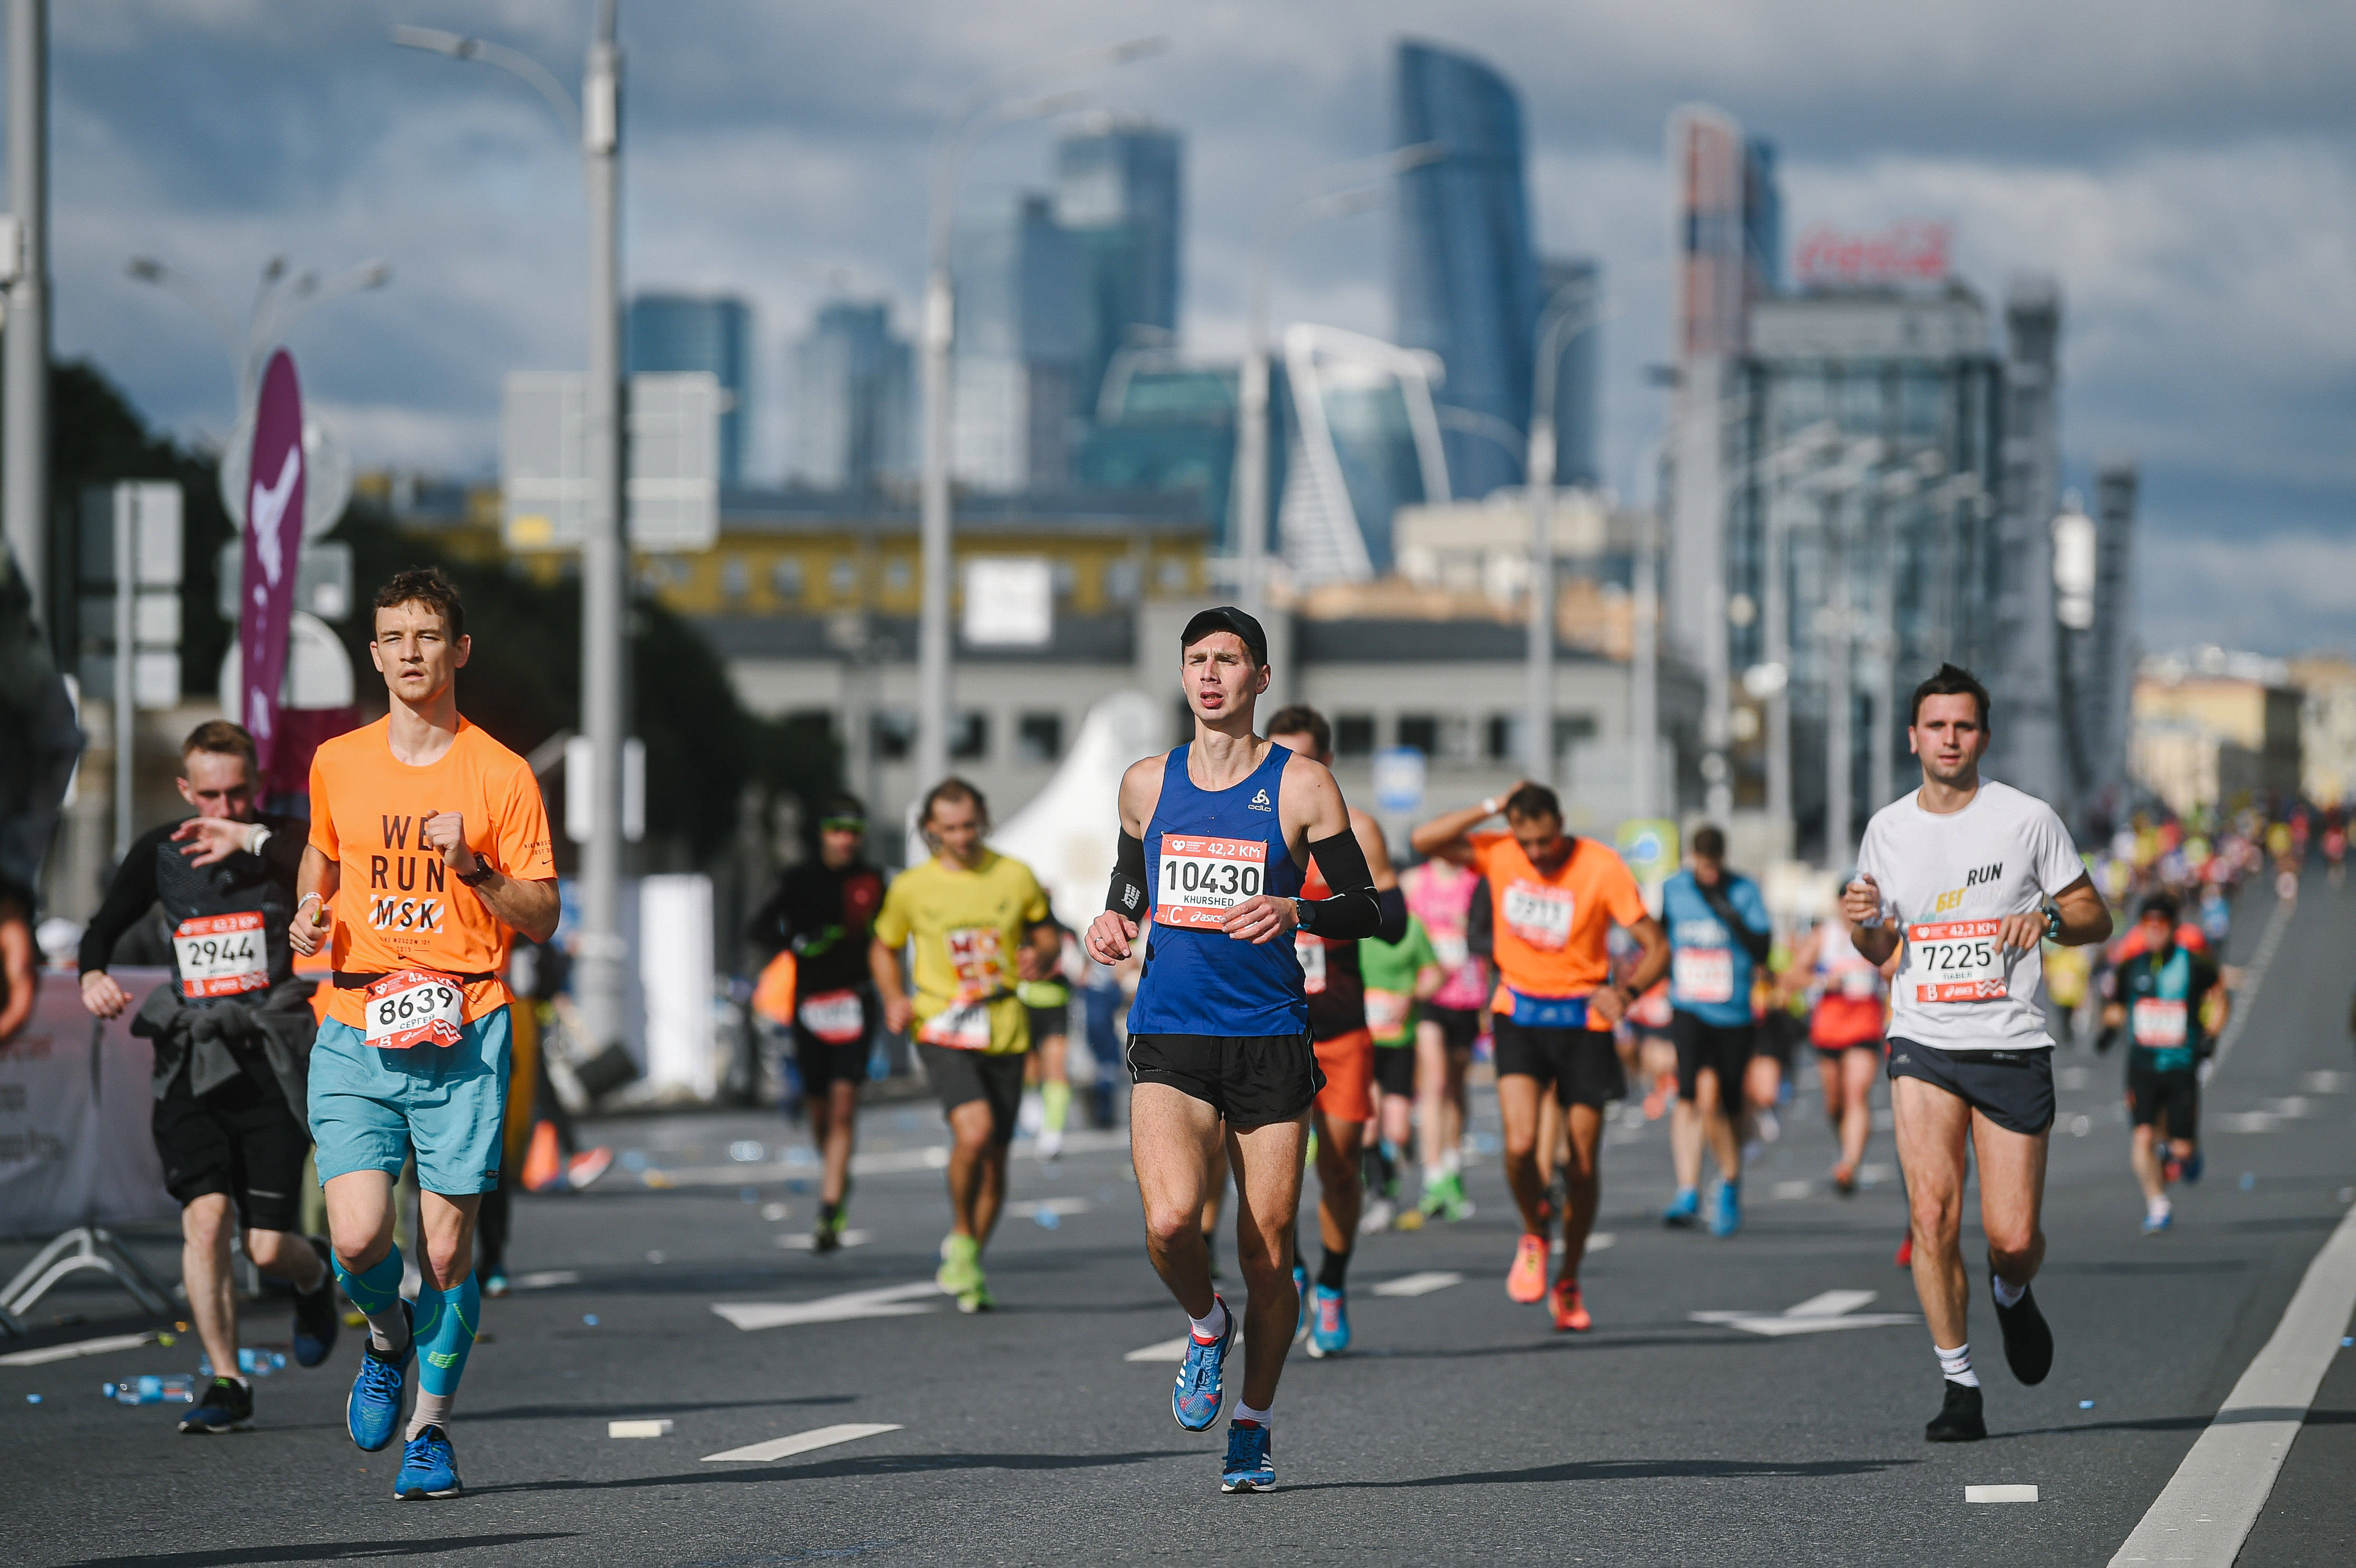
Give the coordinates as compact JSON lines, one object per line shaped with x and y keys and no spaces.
{"x":2186,"y":171}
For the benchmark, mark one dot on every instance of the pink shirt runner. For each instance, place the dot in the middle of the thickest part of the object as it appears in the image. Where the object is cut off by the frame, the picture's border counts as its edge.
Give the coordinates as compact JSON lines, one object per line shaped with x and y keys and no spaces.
{"x":1439,"y":893}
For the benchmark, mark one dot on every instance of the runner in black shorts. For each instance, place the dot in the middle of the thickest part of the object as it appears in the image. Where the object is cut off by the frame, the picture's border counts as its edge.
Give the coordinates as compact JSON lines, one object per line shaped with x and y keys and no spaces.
{"x":2158,"y":997}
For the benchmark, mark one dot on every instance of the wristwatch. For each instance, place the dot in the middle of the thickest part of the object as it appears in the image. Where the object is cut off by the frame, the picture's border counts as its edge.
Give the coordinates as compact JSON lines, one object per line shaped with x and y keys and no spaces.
{"x":2052,"y":922}
{"x":1299,"y":914}
{"x":479,"y":875}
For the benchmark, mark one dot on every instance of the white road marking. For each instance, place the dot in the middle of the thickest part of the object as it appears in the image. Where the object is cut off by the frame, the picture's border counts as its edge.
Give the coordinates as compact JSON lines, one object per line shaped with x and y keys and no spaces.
{"x":1818,"y":1315}
{"x":1999,"y":1494}
{"x":805,"y":1242}
{"x":546,"y":1279}
{"x":1167,"y":1350}
{"x":890,"y":1301}
{"x":100,"y":1347}
{"x":2247,"y":1122}
{"x":1062,"y":1208}
{"x":1789,"y":1191}
{"x":879,"y":1162}
{"x":2276,"y":926}
{"x":2325,"y":1082}
{"x":2205,"y":1512}
{"x":1596,"y":1241}
{"x":639,"y":1428}
{"x":1422,"y":1284}
{"x":800,"y":1443}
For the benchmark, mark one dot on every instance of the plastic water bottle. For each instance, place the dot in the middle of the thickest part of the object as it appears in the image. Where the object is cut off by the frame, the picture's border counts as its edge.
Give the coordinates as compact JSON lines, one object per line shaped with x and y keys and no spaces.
{"x":175,"y":1389}
{"x":251,"y":1362}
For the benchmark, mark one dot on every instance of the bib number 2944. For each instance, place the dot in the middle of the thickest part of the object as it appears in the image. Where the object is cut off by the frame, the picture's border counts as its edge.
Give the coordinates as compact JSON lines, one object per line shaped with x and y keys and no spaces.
{"x":415,"y":1007}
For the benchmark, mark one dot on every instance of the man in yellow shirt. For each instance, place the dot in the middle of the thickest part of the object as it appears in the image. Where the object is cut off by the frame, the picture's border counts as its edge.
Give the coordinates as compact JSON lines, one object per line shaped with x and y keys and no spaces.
{"x":978,"y":923}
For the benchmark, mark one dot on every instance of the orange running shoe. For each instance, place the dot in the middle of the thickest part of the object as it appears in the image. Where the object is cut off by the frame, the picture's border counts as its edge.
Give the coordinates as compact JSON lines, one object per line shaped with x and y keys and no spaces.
{"x":1905,"y":1258}
{"x":1527,"y":1283}
{"x":1570,"y":1316}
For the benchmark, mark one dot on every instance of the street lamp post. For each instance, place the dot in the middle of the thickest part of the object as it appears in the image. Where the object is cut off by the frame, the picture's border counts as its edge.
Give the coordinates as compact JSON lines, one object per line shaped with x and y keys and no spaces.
{"x":600,"y":950}
{"x":1573,"y":304}
{"x":275,"y":310}
{"x":25,"y":422}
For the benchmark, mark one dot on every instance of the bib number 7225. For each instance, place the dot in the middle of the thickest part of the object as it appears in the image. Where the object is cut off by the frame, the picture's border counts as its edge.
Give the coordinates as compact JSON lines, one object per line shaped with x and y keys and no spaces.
{"x":1956,"y":961}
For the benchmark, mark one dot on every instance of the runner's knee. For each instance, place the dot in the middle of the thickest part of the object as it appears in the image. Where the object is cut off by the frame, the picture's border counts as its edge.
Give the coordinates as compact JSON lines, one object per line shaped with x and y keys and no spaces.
{"x":208,"y":1221}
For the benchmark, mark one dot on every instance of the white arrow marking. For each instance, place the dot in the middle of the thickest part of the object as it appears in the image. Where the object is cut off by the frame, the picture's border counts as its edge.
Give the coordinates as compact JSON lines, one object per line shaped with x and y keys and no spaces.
{"x":1817,"y":1314}
{"x":1422,"y":1284}
{"x":1167,"y":1350}
{"x":891,"y":1301}
{"x":800,"y":1443}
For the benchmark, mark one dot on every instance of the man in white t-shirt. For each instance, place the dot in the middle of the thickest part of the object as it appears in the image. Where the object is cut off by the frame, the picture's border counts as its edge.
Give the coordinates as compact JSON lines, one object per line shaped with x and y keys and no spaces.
{"x":1972,"y":875}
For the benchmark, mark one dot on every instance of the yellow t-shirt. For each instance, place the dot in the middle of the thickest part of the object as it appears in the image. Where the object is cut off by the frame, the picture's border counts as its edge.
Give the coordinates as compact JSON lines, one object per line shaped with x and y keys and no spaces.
{"x":966,"y":926}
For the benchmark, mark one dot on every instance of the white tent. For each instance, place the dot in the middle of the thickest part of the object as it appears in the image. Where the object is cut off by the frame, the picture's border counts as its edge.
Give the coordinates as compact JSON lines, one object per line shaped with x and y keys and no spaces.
{"x":1069,"y":831}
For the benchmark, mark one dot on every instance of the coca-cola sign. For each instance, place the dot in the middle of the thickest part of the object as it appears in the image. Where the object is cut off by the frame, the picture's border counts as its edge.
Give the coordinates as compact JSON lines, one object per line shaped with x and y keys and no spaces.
{"x":1911,"y":250}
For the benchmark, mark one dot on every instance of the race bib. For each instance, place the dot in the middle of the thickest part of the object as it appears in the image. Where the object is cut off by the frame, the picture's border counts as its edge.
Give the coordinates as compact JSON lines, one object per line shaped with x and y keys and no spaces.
{"x":1859,"y":983}
{"x":1653,"y":1009}
{"x":2159,"y":1024}
{"x":221,"y":955}
{"x":962,"y":1028}
{"x":835,"y":1017}
{"x":1387,"y":1013}
{"x":1310,"y":950}
{"x":1703,"y":973}
{"x":1203,"y":878}
{"x":974,"y":956}
{"x":416,"y":1006}
{"x":1956,"y":961}
{"x":1538,"y":914}
{"x":1453,"y":950}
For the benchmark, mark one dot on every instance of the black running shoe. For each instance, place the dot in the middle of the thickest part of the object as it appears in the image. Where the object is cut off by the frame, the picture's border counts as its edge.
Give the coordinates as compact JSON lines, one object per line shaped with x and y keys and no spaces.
{"x":1958,"y":1419}
{"x":316,"y":1321}
{"x":2027,"y":1342}
{"x":226,"y":1406}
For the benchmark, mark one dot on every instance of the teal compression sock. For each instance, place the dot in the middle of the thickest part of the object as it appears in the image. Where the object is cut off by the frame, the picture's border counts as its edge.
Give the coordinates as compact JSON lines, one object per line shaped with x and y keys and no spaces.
{"x":376,"y":1291}
{"x":445,"y":1333}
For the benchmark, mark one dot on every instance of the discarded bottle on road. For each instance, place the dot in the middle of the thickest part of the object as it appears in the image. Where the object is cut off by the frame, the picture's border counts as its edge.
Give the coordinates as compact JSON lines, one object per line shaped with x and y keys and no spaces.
{"x":251,"y":1362}
{"x":175,"y":1389}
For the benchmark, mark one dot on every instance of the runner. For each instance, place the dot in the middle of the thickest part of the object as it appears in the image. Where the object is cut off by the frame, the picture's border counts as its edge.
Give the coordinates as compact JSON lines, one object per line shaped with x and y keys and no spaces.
{"x":1046,"y":1074}
{"x":429,"y":852}
{"x":1214,"y":835}
{"x":2160,"y":995}
{"x":979,"y":922}
{"x":20,"y":975}
{"x":1555,"y":897}
{"x":1346,"y":1051}
{"x":232,"y":1036}
{"x":1441,"y":895}
{"x":1720,"y":933}
{"x":1975,"y":875}
{"x":821,"y":912}
{"x":1848,"y":1005}
{"x":1400,"y":977}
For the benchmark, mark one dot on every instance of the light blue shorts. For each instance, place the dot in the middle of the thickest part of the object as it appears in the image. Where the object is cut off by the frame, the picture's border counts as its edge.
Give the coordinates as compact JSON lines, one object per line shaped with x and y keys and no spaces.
{"x":370,"y":1109}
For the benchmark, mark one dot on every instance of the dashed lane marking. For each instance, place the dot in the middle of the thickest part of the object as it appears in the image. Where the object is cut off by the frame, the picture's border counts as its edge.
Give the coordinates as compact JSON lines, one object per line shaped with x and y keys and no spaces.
{"x":43,"y":1357}
{"x":804,"y":1242}
{"x":1166,"y":1350}
{"x":1422,"y":1284}
{"x":890,"y":1301}
{"x":546,"y":1279}
{"x":800,"y":1443}
{"x":1824,"y":1314}
{"x":1999,"y":1494}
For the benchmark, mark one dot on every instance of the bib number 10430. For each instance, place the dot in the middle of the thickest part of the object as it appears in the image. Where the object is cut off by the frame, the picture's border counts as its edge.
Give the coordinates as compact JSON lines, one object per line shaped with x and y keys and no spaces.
{"x":1203,"y":878}
{"x":415,"y":1007}
{"x":1956,"y":961}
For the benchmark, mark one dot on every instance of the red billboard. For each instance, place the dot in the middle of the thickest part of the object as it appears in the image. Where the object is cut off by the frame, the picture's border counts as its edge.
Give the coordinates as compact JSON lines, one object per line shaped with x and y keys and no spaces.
{"x":1911,"y":250}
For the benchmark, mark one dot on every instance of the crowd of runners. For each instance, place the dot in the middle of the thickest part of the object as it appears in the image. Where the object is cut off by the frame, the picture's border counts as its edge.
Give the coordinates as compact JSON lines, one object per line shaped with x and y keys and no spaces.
{"x":1296,"y":1006}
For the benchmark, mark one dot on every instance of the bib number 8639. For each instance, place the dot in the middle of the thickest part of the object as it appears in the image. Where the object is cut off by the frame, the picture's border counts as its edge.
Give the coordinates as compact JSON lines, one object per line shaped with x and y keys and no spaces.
{"x":413,"y":1008}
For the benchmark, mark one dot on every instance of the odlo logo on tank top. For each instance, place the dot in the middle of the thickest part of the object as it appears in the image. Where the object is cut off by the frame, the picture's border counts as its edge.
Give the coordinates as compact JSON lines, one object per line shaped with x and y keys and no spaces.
{"x":407,"y":883}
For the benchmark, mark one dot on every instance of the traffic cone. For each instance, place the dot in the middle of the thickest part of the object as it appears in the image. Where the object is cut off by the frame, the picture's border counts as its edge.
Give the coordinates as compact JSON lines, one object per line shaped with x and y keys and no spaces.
{"x":543,"y":1166}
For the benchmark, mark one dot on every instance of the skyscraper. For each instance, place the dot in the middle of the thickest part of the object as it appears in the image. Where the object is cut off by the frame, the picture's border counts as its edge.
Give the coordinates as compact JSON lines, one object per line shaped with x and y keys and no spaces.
{"x":1578,"y":374}
{"x":1118,"y":192}
{"x":854,"y":400}
{"x":689,"y":331}
{"x":1464,"y":281}
{"x":1016,"y":345}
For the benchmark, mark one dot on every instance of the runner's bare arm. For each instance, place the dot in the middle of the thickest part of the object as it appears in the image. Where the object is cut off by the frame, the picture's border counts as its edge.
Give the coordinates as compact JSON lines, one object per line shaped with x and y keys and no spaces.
{"x":884,"y":965}
{"x":1861,"y":904}
{"x":530,"y":907}
{"x":1792,"y":978}
{"x":314,"y":902}
{"x":1444,"y":838}
{"x":1041,"y":953}
{"x":1110,"y":934}
{"x":2085,"y":917}
{"x":19,"y":977}
{"x":1611,"y":1003}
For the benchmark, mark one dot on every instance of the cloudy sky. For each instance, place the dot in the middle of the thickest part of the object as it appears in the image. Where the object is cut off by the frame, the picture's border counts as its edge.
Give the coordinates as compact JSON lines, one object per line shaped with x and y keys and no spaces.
{"x":2186,"y":170}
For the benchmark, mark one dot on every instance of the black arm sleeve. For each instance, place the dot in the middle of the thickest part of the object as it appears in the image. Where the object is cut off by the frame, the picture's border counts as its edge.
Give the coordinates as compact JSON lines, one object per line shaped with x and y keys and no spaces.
{"x":1394,"y":904}
{"x":1126,"y":896}
{"x":1355,"y":910}
{"x":130,"y":895}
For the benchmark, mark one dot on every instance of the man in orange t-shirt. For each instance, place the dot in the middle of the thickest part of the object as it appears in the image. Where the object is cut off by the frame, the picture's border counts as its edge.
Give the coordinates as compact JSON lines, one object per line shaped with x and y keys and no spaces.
{"x":1556,"y":898}
{"x":429,"y":851}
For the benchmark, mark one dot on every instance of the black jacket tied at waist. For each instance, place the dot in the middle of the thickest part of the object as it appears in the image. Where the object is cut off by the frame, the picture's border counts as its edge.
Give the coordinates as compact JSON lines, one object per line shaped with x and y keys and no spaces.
{"x":217,"y":1040}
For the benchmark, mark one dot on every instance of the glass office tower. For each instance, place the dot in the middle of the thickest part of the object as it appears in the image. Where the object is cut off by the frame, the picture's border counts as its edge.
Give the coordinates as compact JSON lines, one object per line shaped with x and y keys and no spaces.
{"x":689,"y":331}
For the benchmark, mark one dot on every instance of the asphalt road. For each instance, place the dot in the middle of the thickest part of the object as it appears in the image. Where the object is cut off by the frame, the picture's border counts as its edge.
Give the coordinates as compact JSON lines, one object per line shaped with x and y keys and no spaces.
{"x":1459,"y":1429}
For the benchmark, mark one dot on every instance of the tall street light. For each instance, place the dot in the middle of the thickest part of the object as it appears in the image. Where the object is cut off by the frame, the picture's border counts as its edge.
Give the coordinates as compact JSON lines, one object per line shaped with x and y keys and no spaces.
{"x":1572,"y":307}
{"x":25,"y":421}
{"x":278,"y":304}
{"x":989,"y":107}
{"x":1328,"y":192}
{"x":599,"y":952}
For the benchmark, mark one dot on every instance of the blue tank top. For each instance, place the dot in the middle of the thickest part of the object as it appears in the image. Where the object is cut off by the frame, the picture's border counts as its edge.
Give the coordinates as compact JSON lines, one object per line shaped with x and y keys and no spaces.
{"x":1197,"y":978}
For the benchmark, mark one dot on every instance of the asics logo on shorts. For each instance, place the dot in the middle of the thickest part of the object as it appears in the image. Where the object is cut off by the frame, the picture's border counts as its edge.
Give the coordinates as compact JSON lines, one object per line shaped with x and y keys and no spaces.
{"x":392,"y":912}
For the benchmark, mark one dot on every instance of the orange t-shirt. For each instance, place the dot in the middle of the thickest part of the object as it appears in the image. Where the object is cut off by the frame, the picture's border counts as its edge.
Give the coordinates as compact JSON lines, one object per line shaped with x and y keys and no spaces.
{"x":1550,"y":930}
{"x":398,"y":906}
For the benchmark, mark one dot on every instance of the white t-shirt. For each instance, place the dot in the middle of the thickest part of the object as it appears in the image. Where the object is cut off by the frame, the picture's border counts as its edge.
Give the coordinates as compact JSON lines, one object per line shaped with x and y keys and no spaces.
{"x":1946,"y":880}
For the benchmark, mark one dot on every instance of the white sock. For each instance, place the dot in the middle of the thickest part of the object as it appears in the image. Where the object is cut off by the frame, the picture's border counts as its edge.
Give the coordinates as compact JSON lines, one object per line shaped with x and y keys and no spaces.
{"x":1249,"y":1416}
{"x":1956,"y":1364}
{"x":2007,"y":1294}
{"x":1212,"y":1324}
{"x":433,"y":1409}
{"x":2158,"y":1208}
{"x":388,"y":1331}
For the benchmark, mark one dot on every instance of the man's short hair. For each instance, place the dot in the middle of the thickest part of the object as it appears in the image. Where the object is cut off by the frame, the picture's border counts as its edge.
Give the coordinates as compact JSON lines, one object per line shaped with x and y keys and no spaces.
{"x":1951,"y":680}
{"x":426,"y":585}
{"x":1709,"y":841}
{"x":1300,"y":718}
{"x":2159,"y":901}
{"x":222,"y":739}
{"x":954,"y":788}
{"x":1531,"y":803}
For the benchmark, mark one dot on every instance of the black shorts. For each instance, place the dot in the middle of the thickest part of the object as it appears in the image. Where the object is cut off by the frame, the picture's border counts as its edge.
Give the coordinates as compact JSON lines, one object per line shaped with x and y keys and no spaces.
{"x":961,"y":1077}
{"x":242,"y":1140}
{"x":2170,"y":1100}
{"x":1724,"y":1048}
{"x":1583,"y":1064}
{"x":1460,"y":1027}
{"x":1251,"y":1080}
{"x":2014,"y":1089}
{"x":1395,"y":1070}
{"x":1049,"y":1023}
{"x":825,"y":1063}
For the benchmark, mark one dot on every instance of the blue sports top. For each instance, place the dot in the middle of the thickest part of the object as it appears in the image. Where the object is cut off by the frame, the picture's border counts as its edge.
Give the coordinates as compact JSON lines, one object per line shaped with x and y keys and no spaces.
{"x":1206,"y":851}
{"x":1709,"y":969}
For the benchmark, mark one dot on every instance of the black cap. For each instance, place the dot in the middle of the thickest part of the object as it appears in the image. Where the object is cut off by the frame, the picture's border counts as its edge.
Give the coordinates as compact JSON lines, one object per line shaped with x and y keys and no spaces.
{"x":1225,"y":618}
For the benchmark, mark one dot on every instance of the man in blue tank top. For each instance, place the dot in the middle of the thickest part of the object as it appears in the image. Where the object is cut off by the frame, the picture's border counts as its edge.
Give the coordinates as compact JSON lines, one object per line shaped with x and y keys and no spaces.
{"x":1214,"y":837}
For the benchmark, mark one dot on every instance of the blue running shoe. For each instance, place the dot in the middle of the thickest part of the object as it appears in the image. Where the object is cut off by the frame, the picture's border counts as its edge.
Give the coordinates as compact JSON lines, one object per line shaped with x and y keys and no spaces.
{"x":374,"y":1410}
{"x":1251,"y":1459}
{"x":1683,"y":1210}
{"x":429,"y":1468}
{"x":1301,"y":1288}
{"x":2153,"y":1225}
{"x":1201,"y":1381}
{"x":1727,"y":1217}
{"x":2188,"y":1168}
{"x":1328,"y":1323}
